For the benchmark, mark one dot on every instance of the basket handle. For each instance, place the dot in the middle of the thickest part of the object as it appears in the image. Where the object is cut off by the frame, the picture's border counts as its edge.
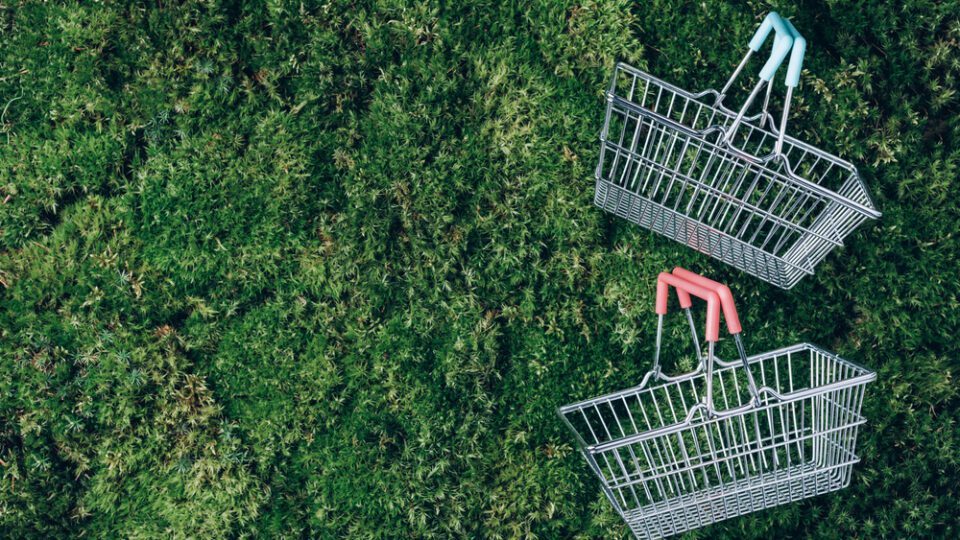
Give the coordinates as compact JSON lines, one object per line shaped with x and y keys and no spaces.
{"x":796,"y":55}
{"x":729,"y":314}
{"x":726,"y":297}
{"x":792,"y":80}
{"x":782,"y":43}
{"x":684,"y":290}
{"x":718,"y":298}
{"x":787,"y":40}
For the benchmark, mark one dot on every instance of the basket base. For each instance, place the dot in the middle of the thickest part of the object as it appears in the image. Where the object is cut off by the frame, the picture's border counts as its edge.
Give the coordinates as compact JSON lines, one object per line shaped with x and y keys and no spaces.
{"x":676,"y":226}
{"x":681,"y":514}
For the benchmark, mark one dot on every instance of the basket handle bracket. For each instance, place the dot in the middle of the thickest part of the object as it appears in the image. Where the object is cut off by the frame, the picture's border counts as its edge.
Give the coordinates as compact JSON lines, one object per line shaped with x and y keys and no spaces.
{"x":787,"y":40}
{"x":729,"y":314}
{"x":718,"y":298}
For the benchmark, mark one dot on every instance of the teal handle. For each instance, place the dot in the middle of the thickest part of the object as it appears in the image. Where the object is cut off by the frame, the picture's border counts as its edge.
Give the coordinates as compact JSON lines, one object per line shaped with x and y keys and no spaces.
{"x":781,"y":44}
{"x":796,"y":57}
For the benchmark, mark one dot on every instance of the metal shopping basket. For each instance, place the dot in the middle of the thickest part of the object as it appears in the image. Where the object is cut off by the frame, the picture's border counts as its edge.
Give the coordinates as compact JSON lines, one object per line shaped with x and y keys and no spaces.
{"x":680,"y":452}
{"x":733,"y":186}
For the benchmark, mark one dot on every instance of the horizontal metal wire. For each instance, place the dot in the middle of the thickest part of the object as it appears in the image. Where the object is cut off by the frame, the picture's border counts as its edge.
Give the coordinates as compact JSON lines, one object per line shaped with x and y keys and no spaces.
{"x":665,"y":164}
{"x":668,"y":465}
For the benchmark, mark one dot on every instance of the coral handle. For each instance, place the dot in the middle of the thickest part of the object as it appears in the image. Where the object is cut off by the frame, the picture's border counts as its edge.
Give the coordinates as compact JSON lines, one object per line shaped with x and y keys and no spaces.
{"x":684,"y":289}
{"x":722,"y":291}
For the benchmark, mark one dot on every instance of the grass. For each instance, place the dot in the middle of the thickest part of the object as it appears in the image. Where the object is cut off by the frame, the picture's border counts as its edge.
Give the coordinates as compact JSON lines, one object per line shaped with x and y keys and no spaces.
{"x":296,"y":270}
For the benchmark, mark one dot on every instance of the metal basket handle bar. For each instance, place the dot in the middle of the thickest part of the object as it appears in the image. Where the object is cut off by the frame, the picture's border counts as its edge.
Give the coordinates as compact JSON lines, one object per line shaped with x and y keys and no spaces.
{"x":683,"y":294}
{"x":718,"y":298}
{"x":665,"y":280}
{"x":729,"y":314}
{"x":792,"y":80}
{"x":726,"y":297}
{"x":787,"y":40}
{"x":782,"y":44}
{"x":686,"y":288}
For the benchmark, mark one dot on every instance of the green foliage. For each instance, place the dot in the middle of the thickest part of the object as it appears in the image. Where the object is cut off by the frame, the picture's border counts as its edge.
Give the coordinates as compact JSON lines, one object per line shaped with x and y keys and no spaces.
{"x":327,"y":271}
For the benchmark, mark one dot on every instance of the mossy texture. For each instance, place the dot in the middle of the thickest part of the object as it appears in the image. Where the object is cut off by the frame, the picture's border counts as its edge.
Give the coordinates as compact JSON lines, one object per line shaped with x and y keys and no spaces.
{"x":300,"y":270}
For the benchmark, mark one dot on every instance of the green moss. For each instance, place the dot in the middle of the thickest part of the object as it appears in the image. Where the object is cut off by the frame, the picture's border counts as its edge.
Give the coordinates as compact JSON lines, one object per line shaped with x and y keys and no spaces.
{"x":327,"y":271}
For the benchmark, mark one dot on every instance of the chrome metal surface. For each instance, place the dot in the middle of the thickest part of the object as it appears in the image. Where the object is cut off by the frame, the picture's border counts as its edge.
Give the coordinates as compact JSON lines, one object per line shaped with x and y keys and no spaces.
{"x":680,"y":452}
{"x":753,"y":197}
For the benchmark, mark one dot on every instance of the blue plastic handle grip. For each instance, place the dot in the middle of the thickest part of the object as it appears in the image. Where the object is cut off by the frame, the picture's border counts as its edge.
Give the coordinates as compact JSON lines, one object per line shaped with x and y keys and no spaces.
{"x":781,"y":44}
{"x":796,"y":57}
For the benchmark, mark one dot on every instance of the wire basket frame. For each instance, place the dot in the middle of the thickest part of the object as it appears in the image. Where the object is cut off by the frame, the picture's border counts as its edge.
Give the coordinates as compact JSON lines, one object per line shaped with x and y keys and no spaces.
{"x":676,"y":453}
{"x":683,"y":165}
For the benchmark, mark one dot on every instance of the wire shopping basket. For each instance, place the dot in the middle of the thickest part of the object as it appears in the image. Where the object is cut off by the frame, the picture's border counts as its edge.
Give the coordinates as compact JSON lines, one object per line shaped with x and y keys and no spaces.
{"x":733,"y":186}
{"x":680,"y":452}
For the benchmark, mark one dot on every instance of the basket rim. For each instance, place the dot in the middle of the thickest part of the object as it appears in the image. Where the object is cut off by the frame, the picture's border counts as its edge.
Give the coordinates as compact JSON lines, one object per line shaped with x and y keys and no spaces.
{"x":868,"y":209}
{"x":864,"y":376}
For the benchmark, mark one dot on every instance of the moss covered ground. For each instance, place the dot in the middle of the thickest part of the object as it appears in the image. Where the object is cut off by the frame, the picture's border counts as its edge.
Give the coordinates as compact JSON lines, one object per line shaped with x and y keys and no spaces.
{"x":297,"y":270}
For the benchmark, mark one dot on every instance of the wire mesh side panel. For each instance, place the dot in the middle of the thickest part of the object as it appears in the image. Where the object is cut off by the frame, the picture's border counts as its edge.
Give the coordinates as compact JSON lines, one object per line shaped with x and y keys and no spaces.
{"x":695,"y":192}
{"x":703,"y":238}
{"x":690,"y":475}
{"x":699,"y":111}
{"x":654,"y":172}
{"x":836,"y":221}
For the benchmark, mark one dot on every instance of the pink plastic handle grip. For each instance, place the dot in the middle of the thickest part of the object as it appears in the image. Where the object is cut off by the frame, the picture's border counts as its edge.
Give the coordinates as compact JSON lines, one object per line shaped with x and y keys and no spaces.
{"x":665,"y":280}
{"x":726,"y":297}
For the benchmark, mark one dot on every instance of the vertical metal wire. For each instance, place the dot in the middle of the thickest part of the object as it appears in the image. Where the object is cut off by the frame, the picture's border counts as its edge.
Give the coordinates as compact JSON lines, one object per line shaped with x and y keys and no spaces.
{"x":660,"y":169}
